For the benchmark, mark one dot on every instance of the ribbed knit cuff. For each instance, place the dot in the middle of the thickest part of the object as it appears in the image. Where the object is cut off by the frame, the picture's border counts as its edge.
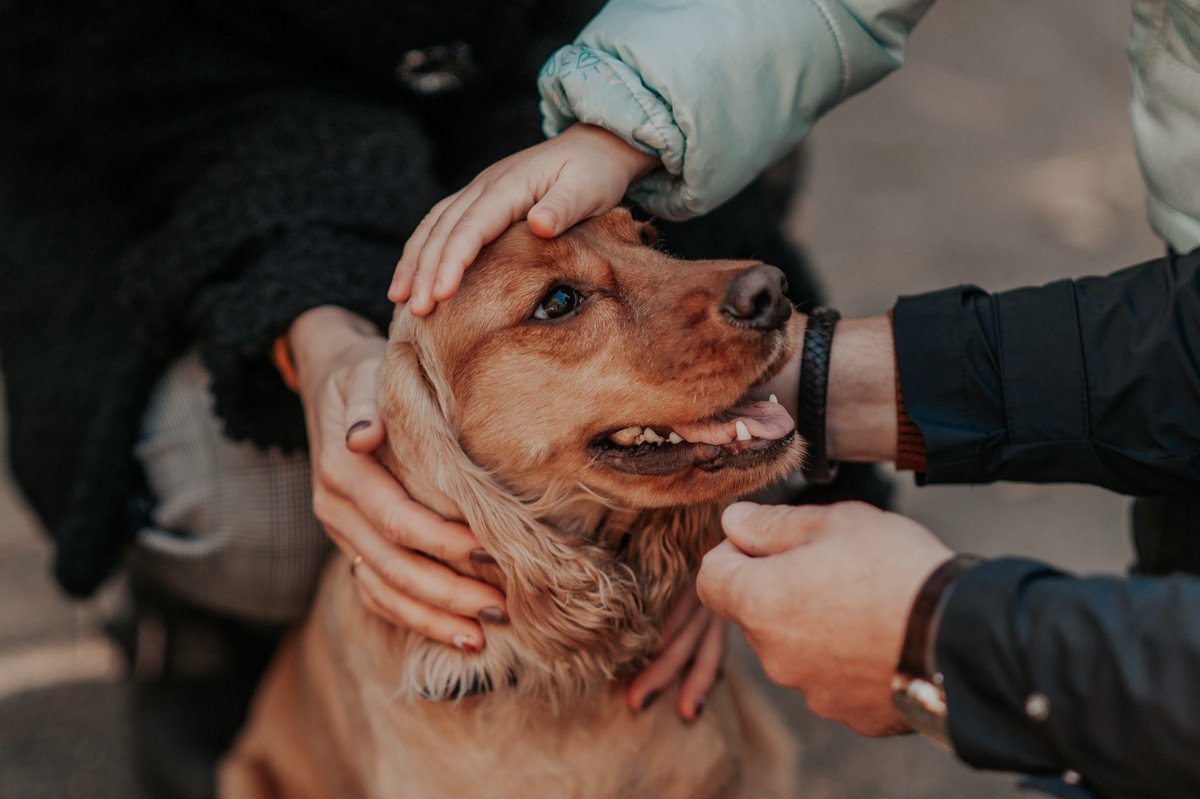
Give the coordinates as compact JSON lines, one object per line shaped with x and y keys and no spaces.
{"x":910,"y":443}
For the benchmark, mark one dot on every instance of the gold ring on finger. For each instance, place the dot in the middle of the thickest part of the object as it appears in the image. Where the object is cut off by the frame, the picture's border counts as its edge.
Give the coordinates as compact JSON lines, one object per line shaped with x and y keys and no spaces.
{"x":354,"y":564}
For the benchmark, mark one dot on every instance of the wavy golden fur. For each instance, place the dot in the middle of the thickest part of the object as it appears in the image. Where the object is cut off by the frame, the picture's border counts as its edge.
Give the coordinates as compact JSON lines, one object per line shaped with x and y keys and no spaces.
{"x":492,"y":419}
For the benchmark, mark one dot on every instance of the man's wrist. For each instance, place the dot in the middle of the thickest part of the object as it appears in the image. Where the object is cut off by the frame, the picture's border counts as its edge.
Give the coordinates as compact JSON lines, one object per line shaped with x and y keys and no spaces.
{"x":862,"y":421}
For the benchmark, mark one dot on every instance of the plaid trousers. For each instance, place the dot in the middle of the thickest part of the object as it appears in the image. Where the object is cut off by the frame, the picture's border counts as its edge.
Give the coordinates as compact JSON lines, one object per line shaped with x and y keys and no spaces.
{"x":233,"y":529}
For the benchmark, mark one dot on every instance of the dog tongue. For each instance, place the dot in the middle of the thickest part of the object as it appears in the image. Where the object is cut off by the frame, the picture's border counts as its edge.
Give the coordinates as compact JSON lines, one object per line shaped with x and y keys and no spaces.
{"x":766,"y":420}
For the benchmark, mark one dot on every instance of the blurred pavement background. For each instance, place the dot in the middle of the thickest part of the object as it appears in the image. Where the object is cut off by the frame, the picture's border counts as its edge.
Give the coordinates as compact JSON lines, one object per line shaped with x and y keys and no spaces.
{"x":1000,"y":155}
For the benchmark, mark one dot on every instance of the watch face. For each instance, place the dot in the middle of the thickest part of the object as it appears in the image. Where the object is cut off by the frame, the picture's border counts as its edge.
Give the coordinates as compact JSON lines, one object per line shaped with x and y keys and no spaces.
{"x":923,"y":705}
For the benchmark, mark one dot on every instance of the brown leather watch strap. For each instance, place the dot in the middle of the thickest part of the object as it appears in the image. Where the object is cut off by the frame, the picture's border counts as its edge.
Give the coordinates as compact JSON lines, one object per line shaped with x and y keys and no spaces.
{"x":915,"y":655}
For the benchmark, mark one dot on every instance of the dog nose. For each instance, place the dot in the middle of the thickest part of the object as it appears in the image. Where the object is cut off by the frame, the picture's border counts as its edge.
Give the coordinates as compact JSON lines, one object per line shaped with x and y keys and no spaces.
{"x":756,"y":298}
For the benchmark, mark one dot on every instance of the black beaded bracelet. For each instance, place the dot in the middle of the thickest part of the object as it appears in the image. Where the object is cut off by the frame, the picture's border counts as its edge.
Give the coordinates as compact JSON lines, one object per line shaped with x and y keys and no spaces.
{"x":814,"y":390}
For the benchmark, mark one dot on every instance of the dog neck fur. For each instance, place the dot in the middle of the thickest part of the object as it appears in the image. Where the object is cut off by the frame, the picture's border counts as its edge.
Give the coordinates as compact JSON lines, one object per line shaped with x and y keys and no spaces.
{"x":584,"y":608}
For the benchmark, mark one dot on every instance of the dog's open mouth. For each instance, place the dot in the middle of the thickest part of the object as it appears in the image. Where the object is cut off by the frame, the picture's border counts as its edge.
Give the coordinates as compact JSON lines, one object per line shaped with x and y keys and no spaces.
{"x":749,"y":433}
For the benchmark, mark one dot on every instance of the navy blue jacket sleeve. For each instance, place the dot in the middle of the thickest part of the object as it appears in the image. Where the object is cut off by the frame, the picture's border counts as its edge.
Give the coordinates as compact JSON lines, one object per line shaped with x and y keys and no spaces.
{"x":1110,"y":665}
{"x":1092,"y":381}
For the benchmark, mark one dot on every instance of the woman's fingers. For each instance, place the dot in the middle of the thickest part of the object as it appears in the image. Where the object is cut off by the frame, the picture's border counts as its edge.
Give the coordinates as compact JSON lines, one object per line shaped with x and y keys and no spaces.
{"x":408,"y":572}
{"x":397,"y":518}
{"x":364,"y":429}
{"x":348,"y":470}
{"x":667,"y":664}
{"x":364,"y":508}
{"x":680,"y":612}
{"x":434,"y":584}
{"x":402,"y":610}
{"x":700,"y":677}
{"x":413,"y":574}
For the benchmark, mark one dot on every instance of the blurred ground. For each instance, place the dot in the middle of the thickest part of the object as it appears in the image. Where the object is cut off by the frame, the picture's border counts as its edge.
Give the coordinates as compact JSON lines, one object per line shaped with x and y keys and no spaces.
{"x":1000,"y":155}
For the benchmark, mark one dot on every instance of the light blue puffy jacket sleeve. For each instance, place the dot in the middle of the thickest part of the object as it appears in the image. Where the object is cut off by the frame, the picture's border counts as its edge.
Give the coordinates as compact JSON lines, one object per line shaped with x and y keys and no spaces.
{"x":718,"y":89}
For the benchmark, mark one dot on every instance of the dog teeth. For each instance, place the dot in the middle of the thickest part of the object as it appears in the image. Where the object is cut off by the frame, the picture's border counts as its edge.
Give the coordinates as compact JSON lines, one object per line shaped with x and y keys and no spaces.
{"x":773,"y":399}
{"x":743,"y":434}
{"x":627,"y":437}
{"x":635,"y":436}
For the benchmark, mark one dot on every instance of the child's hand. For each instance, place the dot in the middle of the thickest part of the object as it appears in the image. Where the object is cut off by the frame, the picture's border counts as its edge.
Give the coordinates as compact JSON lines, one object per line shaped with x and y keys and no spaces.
{"x":582,"y":172}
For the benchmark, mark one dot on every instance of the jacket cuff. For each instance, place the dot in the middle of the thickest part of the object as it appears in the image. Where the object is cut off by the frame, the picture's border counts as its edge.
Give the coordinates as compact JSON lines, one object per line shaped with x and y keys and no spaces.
{"x":978,"y":652}
{"x":975,"y":380}
{"x":910,"y":444}
{"x":579,"y":84}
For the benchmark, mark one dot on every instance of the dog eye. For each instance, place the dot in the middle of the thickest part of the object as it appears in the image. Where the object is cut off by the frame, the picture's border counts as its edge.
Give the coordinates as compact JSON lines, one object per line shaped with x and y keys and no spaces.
{"x":559,"y":301}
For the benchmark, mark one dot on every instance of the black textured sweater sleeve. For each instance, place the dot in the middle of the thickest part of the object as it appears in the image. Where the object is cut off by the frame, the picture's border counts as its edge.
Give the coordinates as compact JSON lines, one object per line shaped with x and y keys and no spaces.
{"x":240,"y":319}
{"x":324,"y":197}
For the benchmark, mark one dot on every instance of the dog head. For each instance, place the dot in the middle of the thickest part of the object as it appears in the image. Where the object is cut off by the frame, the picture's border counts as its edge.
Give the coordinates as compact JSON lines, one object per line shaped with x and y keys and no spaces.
{"x":581,"y":403}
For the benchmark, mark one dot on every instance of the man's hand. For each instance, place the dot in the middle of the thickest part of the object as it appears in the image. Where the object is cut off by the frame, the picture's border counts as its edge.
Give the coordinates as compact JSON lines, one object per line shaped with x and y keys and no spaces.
{"x":823,"y":594}
{"x":582,"y":172}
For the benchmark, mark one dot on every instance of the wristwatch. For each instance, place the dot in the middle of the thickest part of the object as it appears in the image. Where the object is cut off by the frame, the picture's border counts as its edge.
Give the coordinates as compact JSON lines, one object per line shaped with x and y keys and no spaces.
{"x":917,"y":686}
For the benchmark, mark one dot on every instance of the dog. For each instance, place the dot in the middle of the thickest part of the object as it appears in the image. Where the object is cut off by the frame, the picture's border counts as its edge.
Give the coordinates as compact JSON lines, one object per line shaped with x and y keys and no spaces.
{"x":585,"y":404}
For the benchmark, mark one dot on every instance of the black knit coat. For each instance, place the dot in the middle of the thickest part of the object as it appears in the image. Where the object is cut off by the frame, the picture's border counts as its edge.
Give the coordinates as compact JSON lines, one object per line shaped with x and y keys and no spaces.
{"x":197,"y":173}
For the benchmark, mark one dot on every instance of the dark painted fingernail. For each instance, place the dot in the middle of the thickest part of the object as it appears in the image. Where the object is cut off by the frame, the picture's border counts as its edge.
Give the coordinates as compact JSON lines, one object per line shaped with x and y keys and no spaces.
{"x":361,"y":424}
{"x":698,"y":708}
{"x":720,"y":673}
{"x":650,"y":698}
{"x":479,"y":556}
{"x":493,"y":615}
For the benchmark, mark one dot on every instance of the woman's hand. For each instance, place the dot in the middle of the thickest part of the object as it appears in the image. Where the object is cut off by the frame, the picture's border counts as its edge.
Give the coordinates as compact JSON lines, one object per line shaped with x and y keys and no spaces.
{"x":363,"y":507}
{"x":582,"y":172}
{"x":693,"y":641}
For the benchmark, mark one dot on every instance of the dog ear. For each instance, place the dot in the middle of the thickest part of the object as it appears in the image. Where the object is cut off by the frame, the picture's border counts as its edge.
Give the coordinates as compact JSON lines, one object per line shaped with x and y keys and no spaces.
{"x":576,"y":612}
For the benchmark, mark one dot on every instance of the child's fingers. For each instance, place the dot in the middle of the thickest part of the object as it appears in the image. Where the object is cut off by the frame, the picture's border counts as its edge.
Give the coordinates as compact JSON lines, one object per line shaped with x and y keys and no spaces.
{"x":565,"y":203}
{"x":421,"y":301}
{"x":406,"y":268}
{"x":490,"y":215}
